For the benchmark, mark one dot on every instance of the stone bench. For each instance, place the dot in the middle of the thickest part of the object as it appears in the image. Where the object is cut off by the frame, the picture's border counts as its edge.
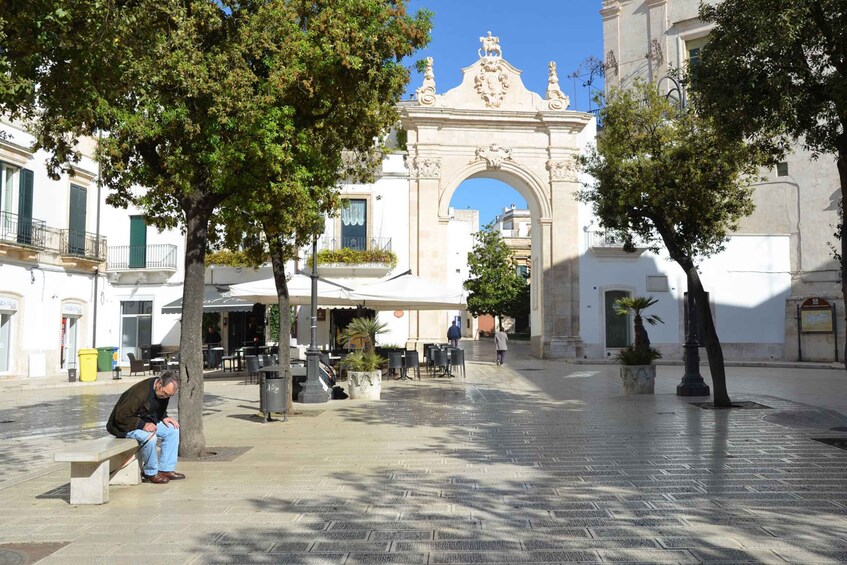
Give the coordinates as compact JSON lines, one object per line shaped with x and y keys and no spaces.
{"x":94,"y":462}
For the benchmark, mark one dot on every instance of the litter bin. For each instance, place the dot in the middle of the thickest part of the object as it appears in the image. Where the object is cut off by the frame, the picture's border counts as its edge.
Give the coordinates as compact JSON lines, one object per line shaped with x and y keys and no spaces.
{"x":273,"y":393}
{"x":87,"y":365}
{"x":106,"y":359}
{"x":71,"y":372}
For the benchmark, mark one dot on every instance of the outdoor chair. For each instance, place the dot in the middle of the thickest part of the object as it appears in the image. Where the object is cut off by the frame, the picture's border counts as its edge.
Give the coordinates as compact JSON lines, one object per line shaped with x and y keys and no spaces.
{"x":230,"y":359}
{"x":412,"y":362}
{"x":395,"y":363}
{"x":173,"y":363}
{"x":440,"y":360}
{"x":265,"y":360}
{"x":457,"y":359}
{"x":252,"y":375}
{"x":136,"y":365}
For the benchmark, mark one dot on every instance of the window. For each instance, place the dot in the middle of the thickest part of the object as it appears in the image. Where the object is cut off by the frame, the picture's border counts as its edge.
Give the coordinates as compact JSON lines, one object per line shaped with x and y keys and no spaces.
{"x":782,"y":169}
{"x":354,"y":224}
{"x":5,"y":341}
{"x":523,"y":270}
{"x":136,"y":328}
{"x":693,"y":48}
{"x":617,"y":327}
{"x":16,"y":188}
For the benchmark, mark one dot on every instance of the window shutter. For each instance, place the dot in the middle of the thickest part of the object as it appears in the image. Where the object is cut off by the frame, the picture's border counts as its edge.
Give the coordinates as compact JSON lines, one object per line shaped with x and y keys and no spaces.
{"x":76,"y":221}
{"x":137,"y":242}
{"x":25,"y":207}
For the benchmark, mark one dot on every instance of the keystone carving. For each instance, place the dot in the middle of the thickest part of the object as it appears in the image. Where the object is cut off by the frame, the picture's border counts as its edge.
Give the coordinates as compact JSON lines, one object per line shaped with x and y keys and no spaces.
{"x":494,"y":155}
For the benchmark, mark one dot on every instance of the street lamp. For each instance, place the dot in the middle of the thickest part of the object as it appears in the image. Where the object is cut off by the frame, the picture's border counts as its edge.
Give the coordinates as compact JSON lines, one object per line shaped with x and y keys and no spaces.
{"x":692,"y":383}
{"x":312,"y":391}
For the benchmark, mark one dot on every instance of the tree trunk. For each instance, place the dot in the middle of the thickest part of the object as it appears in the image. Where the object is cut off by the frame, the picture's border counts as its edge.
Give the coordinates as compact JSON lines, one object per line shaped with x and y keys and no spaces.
{"x":841,"y":144}
{"x":713,"y":344}
{"x":284,"y":304}
{"x":192,"y":441}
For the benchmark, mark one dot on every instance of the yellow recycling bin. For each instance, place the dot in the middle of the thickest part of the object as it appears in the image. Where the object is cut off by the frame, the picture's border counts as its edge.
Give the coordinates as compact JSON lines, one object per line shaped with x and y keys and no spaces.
{"x":87,"y":365}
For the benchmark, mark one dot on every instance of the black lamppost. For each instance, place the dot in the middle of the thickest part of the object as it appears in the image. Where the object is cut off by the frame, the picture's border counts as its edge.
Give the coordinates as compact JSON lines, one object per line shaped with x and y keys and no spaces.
{"x":312,"y":391}
{"x":692,"y":383}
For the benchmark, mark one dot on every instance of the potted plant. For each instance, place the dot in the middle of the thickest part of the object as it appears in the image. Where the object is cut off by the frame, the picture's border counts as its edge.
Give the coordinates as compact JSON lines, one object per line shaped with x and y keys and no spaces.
{"x":364,"y":377}
{"x":638,"y":373}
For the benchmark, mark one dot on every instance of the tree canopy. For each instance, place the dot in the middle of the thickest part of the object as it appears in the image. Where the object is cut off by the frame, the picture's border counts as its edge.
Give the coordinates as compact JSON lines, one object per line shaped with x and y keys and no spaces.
{"x":668,"y":178}
{"x":774,"y":73}
{"x":494,"y":286}
{"x":208,"y":105}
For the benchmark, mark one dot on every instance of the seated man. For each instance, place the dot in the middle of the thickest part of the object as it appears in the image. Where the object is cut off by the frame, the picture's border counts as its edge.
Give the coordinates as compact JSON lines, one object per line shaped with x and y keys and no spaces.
{"x":142,"y":414}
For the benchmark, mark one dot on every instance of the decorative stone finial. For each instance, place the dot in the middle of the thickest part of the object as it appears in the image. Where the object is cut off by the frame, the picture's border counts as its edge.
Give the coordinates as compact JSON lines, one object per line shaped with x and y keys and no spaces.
{"x":490,"y":46}
{"x":558,"y":100}
{"x":426,"y":93}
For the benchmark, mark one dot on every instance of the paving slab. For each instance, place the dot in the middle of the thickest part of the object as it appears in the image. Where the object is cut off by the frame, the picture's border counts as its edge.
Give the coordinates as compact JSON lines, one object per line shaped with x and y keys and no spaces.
{"x":538,"y":461}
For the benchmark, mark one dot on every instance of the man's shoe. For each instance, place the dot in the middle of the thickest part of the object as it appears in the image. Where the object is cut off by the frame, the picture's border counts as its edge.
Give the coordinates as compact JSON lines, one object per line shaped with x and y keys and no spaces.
{"x":172,"y":475}
{"x":158,"y":478}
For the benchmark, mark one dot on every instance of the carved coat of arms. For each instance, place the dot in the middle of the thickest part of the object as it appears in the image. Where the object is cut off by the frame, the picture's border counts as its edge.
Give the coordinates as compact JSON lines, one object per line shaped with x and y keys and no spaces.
{"x":492,"y":82}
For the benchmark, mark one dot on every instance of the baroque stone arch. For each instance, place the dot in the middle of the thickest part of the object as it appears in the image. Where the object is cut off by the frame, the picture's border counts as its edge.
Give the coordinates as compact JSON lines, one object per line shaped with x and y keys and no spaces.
{"x":516,"y":176}
{"x":492,"y":126}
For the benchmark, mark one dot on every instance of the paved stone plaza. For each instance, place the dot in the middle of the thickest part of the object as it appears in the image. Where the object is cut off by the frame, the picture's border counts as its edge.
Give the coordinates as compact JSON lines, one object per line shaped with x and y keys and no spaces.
{"x":536,"y":461}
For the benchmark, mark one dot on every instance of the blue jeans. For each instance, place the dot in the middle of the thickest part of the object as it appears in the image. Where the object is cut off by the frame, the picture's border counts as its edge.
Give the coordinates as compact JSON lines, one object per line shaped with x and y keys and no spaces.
{"x":150,"y":460}
{"x":501,"y":356}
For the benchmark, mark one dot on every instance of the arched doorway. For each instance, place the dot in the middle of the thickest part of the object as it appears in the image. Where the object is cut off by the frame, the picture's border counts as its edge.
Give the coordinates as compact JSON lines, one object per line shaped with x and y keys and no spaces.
{"x":491,"y":126}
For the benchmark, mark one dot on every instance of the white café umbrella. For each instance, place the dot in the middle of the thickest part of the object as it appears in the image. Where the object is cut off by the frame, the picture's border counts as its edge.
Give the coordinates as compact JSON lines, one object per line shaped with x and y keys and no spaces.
{"x":299,"y":292}
{"x":409,"y":292}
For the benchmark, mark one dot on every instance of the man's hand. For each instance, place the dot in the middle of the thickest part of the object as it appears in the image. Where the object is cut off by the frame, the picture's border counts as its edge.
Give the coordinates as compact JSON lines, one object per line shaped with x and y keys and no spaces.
{"x":149,"y":427}
{"x":171,"y":422}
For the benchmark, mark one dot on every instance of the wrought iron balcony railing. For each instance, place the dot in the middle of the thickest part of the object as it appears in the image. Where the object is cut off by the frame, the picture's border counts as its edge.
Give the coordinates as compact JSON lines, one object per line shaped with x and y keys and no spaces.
{"x":603,"y":238}
{"x":358,"y":243}
{"x":598,"y":115}
{"x":75,"y":243}
{"x":162,"y":257}
{"x":22,"y":230}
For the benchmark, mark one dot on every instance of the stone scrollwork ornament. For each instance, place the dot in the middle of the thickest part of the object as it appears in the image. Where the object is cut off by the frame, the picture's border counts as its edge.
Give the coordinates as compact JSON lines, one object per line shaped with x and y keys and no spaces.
{"x":563,"y":170}
{"x":557,"y":100}
{"x":493,"y":155}
{"x":426,"y":93}
{"x":425,"y":168}
{"x":492,"y":81}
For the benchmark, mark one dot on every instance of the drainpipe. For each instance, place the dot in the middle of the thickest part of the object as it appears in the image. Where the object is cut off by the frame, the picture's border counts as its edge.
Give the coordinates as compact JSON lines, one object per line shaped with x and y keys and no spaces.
{"x":96,"y":250}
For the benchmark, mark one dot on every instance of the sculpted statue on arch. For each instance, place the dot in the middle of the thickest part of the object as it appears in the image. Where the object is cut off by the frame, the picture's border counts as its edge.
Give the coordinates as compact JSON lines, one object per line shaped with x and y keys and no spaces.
{"x":490,"y":46}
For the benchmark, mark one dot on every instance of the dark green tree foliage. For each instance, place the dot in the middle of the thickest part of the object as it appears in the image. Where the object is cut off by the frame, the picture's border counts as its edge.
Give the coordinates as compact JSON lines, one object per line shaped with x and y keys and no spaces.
{"x":775,"y":72}
{"x":494,"y":286}
{"x":670,"y":179}
{"x":208,"y":106}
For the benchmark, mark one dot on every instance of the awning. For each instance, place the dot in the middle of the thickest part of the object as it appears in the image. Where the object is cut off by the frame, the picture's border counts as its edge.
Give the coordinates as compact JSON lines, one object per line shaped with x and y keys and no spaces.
{"x":216,"y":298}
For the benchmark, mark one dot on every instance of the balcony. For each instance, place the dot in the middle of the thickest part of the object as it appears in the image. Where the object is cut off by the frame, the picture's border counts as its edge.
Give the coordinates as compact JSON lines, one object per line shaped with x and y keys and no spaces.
{"x":354,"y":257}
{"x":357,"y":243}
{"x":141,"y":263}
{"x":598,"y":115}
{"x":21,"y":237}
{"x":81,"y":249}
{"x":607,"y":244}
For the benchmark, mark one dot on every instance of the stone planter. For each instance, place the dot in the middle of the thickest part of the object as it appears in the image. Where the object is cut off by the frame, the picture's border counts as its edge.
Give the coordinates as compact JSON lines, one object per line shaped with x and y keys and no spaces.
{"x":638,"y":379}
{"x":367,"y":386}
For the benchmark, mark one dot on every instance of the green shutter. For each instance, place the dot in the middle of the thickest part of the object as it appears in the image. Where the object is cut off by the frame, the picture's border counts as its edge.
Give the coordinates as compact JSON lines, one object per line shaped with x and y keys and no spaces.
{"x":25,"y":234}
{"x":76,"y":221}
{"x":137,"y":242}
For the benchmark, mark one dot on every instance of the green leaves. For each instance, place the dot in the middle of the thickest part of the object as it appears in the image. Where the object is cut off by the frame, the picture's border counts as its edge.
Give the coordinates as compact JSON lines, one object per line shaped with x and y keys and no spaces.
{"x":668,"y":178}
{"x":494,"y":285}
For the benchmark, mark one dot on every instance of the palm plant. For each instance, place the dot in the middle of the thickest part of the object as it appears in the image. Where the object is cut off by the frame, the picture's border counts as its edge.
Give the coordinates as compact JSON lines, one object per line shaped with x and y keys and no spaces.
{"x":640,"y":353}
{"x":364,"y":331}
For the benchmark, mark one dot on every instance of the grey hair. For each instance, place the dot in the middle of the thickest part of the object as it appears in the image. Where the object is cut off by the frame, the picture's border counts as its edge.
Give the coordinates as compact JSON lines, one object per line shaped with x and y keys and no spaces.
{"x":168,"y":377}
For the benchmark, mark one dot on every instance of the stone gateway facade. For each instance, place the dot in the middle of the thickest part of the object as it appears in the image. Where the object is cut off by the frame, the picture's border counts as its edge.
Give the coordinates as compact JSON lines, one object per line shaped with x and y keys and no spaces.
{"x":491,"y":126}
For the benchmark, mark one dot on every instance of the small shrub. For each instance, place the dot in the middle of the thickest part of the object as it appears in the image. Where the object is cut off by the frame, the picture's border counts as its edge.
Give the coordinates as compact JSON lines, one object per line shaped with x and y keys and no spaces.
{"x":632,"y":355}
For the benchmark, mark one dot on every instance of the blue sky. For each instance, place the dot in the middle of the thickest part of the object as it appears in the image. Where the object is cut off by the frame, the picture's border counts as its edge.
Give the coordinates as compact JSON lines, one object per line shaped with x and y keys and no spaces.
{"x":532,"y":33}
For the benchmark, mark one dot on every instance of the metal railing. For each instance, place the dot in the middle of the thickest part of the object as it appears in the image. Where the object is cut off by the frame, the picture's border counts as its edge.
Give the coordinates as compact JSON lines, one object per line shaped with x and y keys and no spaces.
{"x":22,"y":230}
{"x":76,"y":243}
{"x":598,"y":115}
{"x":142,"y":257}
{"x":358,"y":243}
{"x":603,"y":238}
